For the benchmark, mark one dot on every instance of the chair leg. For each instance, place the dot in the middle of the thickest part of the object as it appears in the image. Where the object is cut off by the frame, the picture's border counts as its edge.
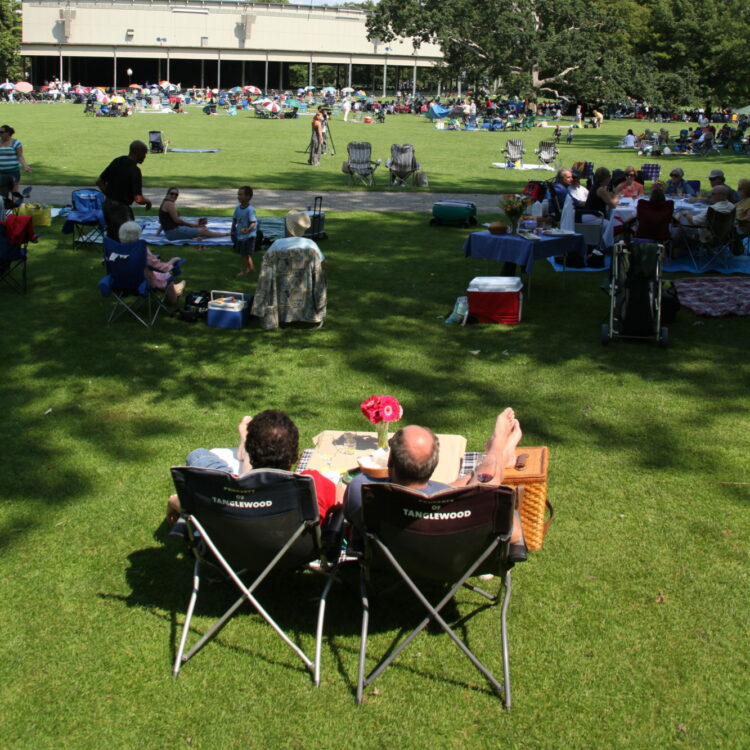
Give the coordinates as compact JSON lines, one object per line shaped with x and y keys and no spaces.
{"x":188,"y":618}
{"x":504,"y":638}
{"x":319,"y":628}
{"x":363,"y":636}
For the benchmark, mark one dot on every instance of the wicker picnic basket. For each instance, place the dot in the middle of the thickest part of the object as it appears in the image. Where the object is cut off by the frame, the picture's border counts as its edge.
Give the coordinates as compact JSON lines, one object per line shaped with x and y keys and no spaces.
{"x":533,"y":502}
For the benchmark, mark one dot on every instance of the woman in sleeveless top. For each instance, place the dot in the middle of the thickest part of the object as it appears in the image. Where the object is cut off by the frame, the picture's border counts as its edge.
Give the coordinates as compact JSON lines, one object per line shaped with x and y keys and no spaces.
{"x":175,"y":227}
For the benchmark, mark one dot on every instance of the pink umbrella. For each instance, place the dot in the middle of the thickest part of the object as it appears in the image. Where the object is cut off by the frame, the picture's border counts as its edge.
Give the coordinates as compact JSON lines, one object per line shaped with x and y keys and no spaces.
{"x":24,"y":87}
{"x":272,"y":107}
{"x":253,"y":90}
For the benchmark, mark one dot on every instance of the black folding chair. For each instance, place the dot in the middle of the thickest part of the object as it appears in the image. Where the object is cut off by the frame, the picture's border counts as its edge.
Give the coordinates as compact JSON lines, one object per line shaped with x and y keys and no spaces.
{"x":447,"y":537}
{"x":264,"y":521}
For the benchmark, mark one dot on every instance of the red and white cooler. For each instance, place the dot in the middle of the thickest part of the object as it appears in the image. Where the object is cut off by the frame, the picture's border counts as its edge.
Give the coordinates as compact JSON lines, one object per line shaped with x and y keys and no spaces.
{"x":496,"y":299}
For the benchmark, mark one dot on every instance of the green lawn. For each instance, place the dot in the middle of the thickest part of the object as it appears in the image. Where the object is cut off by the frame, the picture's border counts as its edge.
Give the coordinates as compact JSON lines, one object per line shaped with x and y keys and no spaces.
{"x":66,"y":148}
{"x":628,"y":630}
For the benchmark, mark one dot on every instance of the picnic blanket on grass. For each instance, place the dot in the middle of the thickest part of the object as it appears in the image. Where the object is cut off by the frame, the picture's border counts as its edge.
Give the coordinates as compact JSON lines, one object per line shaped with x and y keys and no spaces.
{"x":715,"y":296}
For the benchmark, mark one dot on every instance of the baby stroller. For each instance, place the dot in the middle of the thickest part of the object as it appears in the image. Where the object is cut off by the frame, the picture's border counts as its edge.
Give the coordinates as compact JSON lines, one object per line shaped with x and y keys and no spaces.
{"x":635,"y":291}
{"x":156,"y":144}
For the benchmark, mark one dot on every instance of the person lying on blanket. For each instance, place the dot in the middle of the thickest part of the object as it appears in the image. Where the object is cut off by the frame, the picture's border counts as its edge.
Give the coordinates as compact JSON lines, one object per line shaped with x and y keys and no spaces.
{"x":175,"y":227}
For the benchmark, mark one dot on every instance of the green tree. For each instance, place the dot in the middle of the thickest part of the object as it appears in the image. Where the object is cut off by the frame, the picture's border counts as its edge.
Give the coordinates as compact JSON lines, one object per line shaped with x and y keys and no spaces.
{"x":10,"y":40}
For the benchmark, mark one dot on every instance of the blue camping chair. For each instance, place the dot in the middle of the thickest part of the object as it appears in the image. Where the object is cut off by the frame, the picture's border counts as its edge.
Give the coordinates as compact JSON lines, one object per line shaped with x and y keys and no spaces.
{"x":126,"y":266}
{"x":12,"y":262}
{"x":86,"y":220}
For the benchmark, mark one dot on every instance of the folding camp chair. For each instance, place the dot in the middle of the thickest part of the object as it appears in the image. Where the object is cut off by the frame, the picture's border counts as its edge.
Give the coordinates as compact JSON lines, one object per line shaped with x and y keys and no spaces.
{"x":717,"y":245}
{"x":651,"y":172}
{"x":514,"y":151}
{"x":156,"y":142}
{"x":86,"y":220}
{"x":547,"y":152}
{"x":262,"y":522}
{"x":12,"y":261}
{"x":359,"y":166}
{"x":403,"y":165}
{"x":126,"y":266}
{"x":447,"y":538}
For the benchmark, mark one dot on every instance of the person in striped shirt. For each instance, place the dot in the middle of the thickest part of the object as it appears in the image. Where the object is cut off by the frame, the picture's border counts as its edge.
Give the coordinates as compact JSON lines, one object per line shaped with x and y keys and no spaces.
{"x":11,"y":161}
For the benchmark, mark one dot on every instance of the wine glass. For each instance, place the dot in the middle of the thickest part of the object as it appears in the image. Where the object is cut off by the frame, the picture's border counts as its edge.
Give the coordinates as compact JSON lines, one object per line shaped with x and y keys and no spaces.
{"x":485,"y":468}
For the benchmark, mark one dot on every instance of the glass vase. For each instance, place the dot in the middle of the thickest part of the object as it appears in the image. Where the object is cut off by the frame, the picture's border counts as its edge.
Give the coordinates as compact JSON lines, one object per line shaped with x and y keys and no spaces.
{"x":382,"y":428}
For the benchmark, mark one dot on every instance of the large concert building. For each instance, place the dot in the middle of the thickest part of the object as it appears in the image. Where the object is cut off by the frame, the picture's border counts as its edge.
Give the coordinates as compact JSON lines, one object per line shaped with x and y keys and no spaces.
{"x":214,"y":43}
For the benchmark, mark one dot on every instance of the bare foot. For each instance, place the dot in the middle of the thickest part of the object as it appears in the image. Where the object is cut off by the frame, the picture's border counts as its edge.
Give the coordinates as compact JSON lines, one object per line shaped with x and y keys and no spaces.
{"x":174,"y":509}
{"x":503,"y":427}
{"x":243,"y":272}
{"x":509,"y":453}
{"x":179,"y":288}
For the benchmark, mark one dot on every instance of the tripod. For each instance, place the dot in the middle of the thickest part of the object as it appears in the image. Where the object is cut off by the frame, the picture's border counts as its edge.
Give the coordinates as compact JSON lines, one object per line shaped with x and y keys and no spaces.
{"x":328,"y":136}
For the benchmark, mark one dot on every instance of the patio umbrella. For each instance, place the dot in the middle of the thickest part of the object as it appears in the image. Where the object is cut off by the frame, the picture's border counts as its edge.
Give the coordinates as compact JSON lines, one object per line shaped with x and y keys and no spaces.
{"x":361,"y":93}
{"x":7,"y":86}
{"x":330,"y":89}
{"x":253,"y":90}
{"x":347,"y":90}
{"x":135,"y":86}
{"x":117,"y":99}
{"x":271,"y":107}
{"x":164,"y":84}
{"x":236,"y":90}
{"x":309,"y":88}
{"x":24,"y":87}
{"x":293,"y":103}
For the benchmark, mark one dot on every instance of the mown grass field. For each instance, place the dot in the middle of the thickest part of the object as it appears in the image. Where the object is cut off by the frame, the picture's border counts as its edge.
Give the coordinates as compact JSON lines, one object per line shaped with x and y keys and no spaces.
{"x":66,"y":148}
{"x":628,"y":630}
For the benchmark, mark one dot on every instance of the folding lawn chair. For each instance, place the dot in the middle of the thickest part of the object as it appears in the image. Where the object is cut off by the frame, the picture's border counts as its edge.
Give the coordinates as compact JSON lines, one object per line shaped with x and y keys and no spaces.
{"x":445,"y":538}
{"x":126,"y":265}
{"x":651,"y":172}
{"x":359,"y":166}
{"x":717,"y":245}
{"x":514,"y":151}
{"x":262,"y":522}
{"x":403,"y":165}
{"x":547,"y":152}
{"x":13,"y":261}
{"x":86,"y":220}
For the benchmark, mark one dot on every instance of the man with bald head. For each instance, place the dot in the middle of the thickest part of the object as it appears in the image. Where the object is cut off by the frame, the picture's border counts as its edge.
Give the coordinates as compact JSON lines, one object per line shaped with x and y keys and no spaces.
{"x":414,"y":455}
{"x":121,"y":183}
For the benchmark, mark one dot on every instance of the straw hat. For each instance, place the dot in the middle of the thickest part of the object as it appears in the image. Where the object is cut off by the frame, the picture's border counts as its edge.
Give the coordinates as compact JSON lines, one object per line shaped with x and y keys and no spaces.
{"x":297,"y":223}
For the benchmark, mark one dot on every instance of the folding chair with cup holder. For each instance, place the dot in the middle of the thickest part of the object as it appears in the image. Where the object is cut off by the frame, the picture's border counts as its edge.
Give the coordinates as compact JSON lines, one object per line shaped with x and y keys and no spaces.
{"x":86,"y":220}
{"x":403,"y":165}
{"x":263,"y":522}
{"x":126,"y":283}
{"x":444,"y":538}
{"x":513,"y":151}
{"x":716,"y":244}
{"x":359,"y":166}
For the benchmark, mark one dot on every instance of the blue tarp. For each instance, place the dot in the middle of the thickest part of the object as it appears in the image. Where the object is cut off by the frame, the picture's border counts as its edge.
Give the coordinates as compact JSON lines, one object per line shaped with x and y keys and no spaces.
{"x":436,"y":112}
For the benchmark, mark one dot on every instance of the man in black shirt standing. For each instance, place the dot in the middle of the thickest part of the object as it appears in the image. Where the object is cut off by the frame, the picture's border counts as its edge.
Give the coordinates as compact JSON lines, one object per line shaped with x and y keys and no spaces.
{"x":121,"y":184}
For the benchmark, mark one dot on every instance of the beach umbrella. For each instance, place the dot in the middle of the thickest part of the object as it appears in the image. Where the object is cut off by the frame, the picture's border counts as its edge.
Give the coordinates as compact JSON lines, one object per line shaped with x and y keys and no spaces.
{"x":271,"y":106}
{"x":309,"y":88}
{"x":361,"y":93}
{"x":117,"y":99}
{"x":329,"y":89}
{"x":293,"y":103}
{"x":135,"y":86}
{"x":164,"y":84}
{"x":7,"y":86}
{"x":24,"y":87}
{"x":347,"y":90}
{"x":253,"y":90}
{"x":236,"y":90}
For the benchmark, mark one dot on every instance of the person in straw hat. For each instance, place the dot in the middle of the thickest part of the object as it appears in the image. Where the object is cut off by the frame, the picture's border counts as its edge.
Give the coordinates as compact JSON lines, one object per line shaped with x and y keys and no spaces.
{"x":296,"y":224}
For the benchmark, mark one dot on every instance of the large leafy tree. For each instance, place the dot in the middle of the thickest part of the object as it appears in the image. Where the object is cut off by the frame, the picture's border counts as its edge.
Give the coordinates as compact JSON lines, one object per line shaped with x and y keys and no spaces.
{"x":10,"y":39}
{"x":532,"y":45}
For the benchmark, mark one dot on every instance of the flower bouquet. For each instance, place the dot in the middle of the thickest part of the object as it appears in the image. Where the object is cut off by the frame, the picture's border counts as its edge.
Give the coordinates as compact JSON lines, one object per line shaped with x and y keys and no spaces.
{"x":513,"y":207}
{"x":381,"y":411}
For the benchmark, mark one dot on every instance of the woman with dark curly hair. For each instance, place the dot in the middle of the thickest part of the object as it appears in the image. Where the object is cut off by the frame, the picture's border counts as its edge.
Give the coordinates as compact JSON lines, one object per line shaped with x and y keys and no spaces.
{"x":270,"y":440}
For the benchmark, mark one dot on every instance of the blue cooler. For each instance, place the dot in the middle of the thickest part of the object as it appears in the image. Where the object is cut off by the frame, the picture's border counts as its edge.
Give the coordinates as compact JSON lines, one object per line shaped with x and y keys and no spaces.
{"x":228,"y":309}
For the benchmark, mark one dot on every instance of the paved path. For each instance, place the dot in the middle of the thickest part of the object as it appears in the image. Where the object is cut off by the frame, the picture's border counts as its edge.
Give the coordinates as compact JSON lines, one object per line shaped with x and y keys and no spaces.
{"x":358,"y":200}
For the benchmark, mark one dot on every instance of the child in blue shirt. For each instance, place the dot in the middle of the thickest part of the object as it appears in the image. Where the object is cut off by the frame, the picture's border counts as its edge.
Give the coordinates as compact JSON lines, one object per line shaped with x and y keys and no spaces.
{"x":244,"y":226}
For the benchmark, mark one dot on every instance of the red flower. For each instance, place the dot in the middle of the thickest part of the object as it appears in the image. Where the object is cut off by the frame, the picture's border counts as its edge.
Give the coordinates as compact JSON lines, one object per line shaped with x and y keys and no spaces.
{"x":381,"y":409}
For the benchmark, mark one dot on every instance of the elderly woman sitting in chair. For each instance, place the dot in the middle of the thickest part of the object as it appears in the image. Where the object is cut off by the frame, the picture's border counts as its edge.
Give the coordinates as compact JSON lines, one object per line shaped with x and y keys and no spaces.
{"x":158,"y":272}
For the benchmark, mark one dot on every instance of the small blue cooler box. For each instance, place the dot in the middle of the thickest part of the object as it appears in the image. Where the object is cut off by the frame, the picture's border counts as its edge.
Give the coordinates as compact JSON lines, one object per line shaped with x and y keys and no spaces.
{"x":228,"y":309}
